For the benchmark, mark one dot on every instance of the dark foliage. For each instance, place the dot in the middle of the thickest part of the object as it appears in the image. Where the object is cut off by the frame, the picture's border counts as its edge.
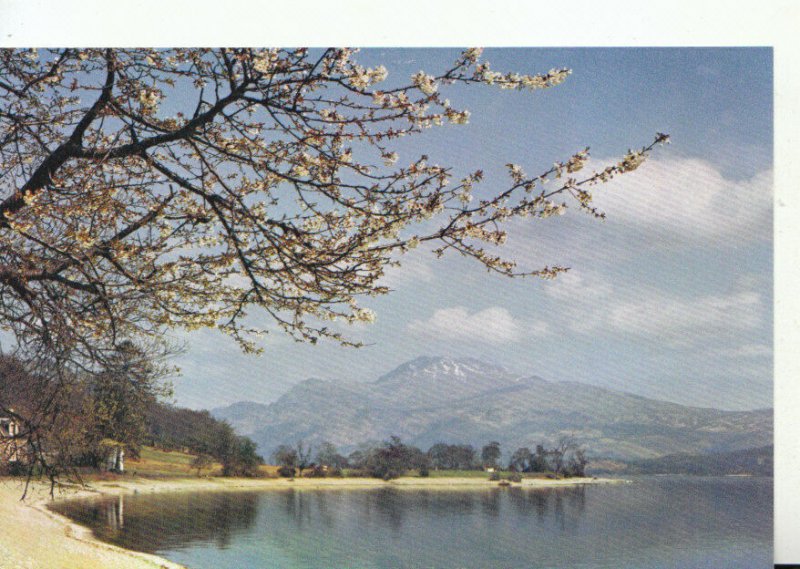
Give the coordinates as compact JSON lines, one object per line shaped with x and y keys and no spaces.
{"x":490,"y":454}
{"x":444,"y":456}
{"x":393,"y":459}
{"x":175,"y":428}
{"x":329,"y":456}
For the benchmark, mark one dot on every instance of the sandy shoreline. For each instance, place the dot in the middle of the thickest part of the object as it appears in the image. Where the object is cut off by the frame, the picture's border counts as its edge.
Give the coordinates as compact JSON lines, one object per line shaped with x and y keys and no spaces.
{"x":33,"y":537}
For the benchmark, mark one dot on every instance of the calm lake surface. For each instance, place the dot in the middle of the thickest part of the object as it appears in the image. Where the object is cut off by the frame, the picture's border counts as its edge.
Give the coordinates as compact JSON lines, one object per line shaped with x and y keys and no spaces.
{"x":659,"y":522}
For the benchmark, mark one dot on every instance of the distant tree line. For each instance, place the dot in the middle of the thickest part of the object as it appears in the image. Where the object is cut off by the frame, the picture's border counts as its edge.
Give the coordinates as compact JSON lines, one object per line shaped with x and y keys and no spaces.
{"x":566,"y":458}
{"x":752,"y":462}
{"x":393,"y":458}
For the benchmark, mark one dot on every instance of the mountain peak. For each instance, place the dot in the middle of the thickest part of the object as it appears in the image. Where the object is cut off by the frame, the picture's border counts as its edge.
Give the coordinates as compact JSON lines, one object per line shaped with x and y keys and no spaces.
{"x":434,"y":366}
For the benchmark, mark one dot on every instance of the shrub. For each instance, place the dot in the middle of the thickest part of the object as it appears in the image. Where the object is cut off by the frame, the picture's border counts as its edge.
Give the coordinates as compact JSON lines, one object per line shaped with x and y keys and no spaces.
{"x":494,"y":476}
{"x":286,"y":471}
{"x":12,"y":469}
{"x":316,"y":471}
{"x":358,"y":473}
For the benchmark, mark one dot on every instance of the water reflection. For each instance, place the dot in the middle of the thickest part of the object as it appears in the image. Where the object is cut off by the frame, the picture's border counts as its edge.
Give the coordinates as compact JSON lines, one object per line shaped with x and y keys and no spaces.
{"x":652,"y":523}
{"x":156,"y":523}
{"x":565,"y":506}
{"x":115,"y":515}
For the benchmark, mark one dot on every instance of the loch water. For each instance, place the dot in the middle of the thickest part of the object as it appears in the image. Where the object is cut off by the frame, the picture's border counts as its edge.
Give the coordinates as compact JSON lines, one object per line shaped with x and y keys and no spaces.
{"x":649,"y":523}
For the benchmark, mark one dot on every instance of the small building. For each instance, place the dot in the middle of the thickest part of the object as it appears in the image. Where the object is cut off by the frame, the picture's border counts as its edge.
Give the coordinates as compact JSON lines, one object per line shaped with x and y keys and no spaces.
{"x":115,"y":455}
{"x":9,"y":440}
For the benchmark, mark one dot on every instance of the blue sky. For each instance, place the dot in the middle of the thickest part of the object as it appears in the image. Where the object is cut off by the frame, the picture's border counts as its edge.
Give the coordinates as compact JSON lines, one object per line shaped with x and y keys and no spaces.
{"x":670,"y":297}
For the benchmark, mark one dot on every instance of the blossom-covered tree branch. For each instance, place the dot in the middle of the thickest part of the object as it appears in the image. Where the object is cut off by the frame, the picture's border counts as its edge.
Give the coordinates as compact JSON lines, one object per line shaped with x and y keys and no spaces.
{"x":127,"y":208}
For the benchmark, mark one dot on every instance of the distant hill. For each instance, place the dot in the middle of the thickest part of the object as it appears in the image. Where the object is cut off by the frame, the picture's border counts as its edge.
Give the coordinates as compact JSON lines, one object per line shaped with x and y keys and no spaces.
{"x":754,"y":462}
{"x":433,"y":399}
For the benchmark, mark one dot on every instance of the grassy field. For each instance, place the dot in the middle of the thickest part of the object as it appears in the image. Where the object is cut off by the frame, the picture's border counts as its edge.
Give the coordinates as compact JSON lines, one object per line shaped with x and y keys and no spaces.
{"x":155,"y":462}
{"x":479,"y":474}
{"x":458,"y":474}
{"x":164,"y":463}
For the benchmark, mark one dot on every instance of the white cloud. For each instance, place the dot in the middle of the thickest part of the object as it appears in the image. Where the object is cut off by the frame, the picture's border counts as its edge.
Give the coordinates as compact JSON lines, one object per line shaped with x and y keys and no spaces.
{"x":414,"y":268}
{"x":589,"y":303}
{"x":677,"y":204}
{"x":678,"y":319}
{"x":493,"y":325}
{"x":576,"y":286}
{"x":538,"y":328}
{"x":687,"y":200}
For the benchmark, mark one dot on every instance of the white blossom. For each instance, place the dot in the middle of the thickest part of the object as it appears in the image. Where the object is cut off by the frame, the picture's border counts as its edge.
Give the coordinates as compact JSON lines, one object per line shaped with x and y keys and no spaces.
{"x":426,"y":83}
